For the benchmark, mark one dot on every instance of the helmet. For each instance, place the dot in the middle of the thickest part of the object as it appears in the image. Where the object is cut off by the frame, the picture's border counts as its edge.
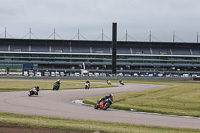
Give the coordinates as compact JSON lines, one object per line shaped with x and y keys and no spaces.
{"x":87,"y":79}
{"x":38,"y":86}
{"x":111,"y":95}
{"x":58,"y":79}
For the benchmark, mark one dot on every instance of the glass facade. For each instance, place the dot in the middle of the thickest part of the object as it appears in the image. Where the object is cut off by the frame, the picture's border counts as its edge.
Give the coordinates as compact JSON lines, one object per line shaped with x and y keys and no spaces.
{"x":103,"y":61}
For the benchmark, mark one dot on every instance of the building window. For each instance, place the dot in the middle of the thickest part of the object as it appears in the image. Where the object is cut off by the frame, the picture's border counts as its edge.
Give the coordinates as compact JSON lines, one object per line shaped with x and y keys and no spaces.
{"x":99,"y":51}
{"x":163,"y":53}
{"x":139,"y":52}
{"x":17,"y":50}
{"x":58,"y":51}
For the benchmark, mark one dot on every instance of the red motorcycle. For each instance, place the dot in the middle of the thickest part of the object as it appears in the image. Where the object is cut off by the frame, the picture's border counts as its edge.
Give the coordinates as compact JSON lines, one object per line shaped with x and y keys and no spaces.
{"x":33,"y":91}
{"x":103,"y":104}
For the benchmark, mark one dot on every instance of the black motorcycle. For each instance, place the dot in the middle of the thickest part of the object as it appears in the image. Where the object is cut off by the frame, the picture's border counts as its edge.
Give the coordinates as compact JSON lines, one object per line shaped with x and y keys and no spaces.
{"x":56,"y":86}
{"x":87,"y":86}
{"x":122,"y":83}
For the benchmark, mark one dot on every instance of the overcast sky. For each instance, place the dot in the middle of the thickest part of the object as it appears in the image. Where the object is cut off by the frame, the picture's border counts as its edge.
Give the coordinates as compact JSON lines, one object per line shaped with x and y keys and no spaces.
{"x":138,"y":17}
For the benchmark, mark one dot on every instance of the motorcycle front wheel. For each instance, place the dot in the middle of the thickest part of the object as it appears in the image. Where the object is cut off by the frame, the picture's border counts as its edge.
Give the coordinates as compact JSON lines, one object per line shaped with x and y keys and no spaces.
{"x":105,"y":106}
{"x":96,"y":106}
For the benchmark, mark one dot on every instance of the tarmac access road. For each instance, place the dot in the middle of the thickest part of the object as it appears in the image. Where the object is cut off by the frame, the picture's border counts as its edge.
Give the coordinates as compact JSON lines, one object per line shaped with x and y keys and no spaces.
{"x":59,"y":104}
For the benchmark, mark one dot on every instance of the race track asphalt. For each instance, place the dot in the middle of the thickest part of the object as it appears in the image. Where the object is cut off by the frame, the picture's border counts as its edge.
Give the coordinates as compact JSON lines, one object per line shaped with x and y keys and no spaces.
{"x":59,"y":104}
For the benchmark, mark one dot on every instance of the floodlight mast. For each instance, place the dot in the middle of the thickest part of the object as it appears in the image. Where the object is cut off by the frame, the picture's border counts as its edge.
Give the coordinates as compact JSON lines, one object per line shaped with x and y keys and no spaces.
{"x":114,"y":47}
{"x":5,"y":32}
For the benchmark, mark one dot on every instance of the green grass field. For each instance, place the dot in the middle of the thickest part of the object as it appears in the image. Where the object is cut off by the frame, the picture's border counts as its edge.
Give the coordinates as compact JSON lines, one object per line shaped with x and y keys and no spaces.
{"x":23,"y":84}
{"x":85,"y":125}
{"x":179,"y":98}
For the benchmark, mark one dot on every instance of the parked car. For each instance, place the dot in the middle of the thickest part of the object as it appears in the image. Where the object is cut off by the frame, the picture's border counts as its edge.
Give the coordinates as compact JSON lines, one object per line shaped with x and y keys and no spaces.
{"x":46,"y":74}
{"x":127,"y":75}
{"x":77,"y":74}
{"x":62,"y":74}
{"x":57,"y":74}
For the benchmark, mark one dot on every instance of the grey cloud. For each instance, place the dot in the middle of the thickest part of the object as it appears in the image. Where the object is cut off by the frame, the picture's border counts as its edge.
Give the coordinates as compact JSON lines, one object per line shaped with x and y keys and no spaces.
{"x":138,"y":17}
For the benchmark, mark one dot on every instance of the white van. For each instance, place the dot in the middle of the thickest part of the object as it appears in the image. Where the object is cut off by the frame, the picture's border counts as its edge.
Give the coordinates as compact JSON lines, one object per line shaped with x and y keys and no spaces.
{"x":160,"y":75}
{"x":38,"y":74}
{"x":185,"y":75}
{"x":194,"y":75}
{"x":91,"y":75}
{"x":77,"y":74}
{"x":53,"y":74}
{"x":25,"y":73}
{"x":135,"y":75}
{"x":120,"y":75}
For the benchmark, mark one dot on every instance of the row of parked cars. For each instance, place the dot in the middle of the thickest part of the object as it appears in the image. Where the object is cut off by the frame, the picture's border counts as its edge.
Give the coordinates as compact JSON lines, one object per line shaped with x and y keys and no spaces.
{"x":158,"y":75}
{"x":136,"y":74}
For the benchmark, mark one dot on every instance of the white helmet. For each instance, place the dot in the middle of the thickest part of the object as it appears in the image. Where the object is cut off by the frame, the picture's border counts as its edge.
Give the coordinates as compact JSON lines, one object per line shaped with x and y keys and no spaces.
{"x":111,"y":95}
{"x":58,"y":79}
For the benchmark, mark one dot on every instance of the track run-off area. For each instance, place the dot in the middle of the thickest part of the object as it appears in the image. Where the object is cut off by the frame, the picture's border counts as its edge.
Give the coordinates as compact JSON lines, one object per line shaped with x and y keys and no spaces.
{"x":59,"y":104}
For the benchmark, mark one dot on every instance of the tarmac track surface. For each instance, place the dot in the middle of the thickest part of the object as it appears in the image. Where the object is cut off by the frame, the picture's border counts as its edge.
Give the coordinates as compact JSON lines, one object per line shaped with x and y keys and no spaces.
{"x":59,"y":104}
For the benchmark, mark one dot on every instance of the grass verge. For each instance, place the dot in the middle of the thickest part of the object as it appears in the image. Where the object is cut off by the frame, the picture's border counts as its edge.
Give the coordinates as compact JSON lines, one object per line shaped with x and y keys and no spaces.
{"x":23,"y":84}
{"x":84,"y":125}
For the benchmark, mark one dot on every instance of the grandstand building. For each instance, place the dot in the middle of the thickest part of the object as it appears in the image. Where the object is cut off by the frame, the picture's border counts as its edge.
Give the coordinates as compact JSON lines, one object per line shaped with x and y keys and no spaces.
{"x":70,"y":55}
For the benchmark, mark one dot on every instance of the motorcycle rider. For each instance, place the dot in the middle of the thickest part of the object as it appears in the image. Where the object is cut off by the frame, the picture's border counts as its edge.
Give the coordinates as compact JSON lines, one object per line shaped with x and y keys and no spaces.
{"x":121,"y":82}
{"x":108,"y":82}
{"x":36,"y":89}
{"x":88,"y":82}
{"x":106,"y":97}
{"x":58,"y":81}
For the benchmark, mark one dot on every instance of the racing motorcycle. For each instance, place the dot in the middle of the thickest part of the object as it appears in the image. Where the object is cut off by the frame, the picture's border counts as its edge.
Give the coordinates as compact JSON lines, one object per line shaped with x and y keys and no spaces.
{"x":33,"y":91}
{"x":103,"y":104}
{"x":122,"y":83}
{"x":108,"y":82}
{"x":87,"y":86}
{"x":56,"y":86}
